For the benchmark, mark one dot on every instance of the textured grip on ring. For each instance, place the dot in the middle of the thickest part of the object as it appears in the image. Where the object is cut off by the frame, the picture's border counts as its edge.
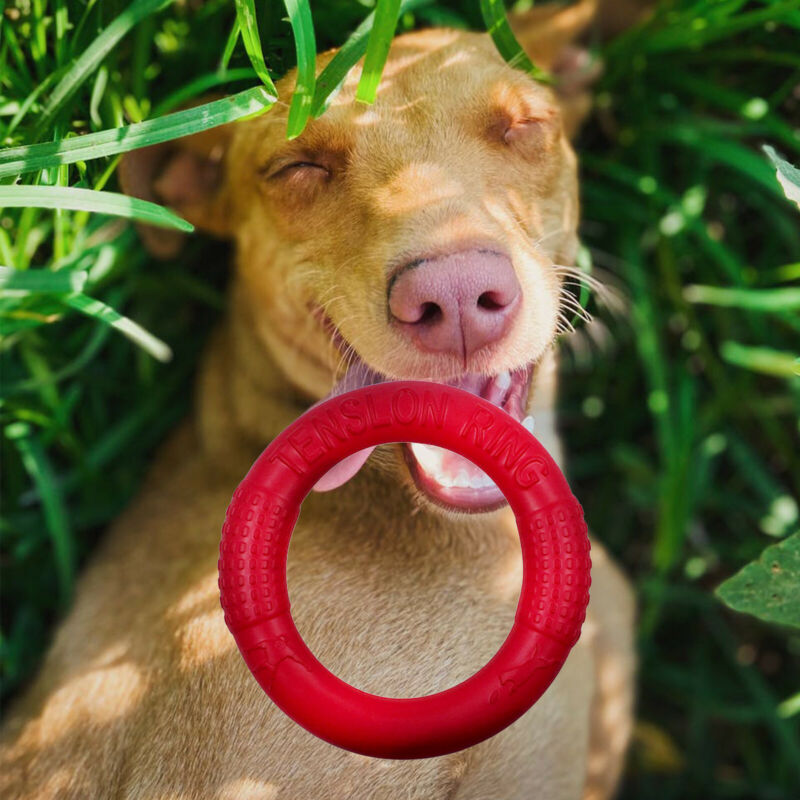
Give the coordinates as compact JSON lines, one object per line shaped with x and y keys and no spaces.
{"x":552,"y":602}
{"x":557,"y":546}
{"x":252,"y":557}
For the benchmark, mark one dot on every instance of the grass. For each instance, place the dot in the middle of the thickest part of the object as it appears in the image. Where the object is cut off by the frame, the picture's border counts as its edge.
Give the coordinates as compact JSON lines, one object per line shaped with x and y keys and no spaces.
{"x":682,"y":406}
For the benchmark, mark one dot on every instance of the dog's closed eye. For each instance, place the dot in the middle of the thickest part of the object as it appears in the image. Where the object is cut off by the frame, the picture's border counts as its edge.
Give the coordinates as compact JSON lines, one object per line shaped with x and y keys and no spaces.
{"x":297,"y":170}
{"x":524,"y":129}
{"x":296,"y":179}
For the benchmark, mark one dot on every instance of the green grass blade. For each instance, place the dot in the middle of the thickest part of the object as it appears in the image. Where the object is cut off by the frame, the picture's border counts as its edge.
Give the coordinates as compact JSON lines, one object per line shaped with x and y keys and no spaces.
{"x":734,"y":102}
{"x":38,"y":42}
{"x":778,"y":509}
{"x":749,"y":299}
{"x":246,"y":14}
{"x":25,"y":106}
{"x":789,"y":707}
{"x":41,"y":280}
{"x":61,"y":26}
{"x":583,"y":260}
{"x":90,"y":59}
{"x":10,"y":41}
{"x":37,"y":465}
{"x":16,"y":160}
{"x":230,"y":46}
{"x":347,"y":56}
{"x":380,"y":40}
{"x":784,"y":274}
{"x":99,"y":88}
{"x":202,"y":83}
{"x":118,"y":205}
{"x":731,"y":154}
{"x":761,"y":359}
{"x":127,"y":327}
{"x":306,"y":48}
{"x":678,"y":37}
{"x":496,"y":21}
{"x":91,"y":349}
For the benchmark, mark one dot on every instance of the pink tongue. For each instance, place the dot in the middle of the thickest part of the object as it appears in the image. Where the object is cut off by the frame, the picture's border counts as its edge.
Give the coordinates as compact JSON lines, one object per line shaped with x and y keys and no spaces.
{"x":343,"y":471}
{"x":357,"y":376}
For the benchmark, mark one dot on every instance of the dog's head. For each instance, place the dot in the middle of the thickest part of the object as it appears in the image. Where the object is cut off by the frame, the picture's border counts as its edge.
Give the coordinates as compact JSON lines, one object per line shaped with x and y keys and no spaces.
{"x":417,"y":238}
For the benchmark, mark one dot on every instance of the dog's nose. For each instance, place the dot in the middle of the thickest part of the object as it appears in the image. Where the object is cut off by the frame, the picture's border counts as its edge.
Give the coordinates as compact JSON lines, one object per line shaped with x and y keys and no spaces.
{"x":456,"y":303}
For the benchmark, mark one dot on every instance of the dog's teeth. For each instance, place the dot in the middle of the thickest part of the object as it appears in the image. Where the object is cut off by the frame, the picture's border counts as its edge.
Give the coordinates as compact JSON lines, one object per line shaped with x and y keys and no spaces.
{"x":428,"y":456}
{"x":528,"y":423}
{"x":503,"y":381}
{"x":481,"y":481}
{"x":462,"y":479}
{"x":431,"y":460}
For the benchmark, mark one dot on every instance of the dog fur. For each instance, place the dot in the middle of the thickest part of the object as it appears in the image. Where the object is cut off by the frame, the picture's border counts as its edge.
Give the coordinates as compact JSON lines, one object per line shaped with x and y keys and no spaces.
{"x":143,"y":694}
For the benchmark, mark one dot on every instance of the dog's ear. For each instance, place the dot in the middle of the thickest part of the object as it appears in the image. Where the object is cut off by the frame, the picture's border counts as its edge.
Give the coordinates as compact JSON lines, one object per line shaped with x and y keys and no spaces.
{"x":185,"y":175}
{"x":550,"y":35}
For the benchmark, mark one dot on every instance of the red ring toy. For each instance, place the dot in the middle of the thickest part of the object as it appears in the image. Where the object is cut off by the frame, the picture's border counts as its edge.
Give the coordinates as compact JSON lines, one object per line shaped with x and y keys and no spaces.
{"x":552,"y":603}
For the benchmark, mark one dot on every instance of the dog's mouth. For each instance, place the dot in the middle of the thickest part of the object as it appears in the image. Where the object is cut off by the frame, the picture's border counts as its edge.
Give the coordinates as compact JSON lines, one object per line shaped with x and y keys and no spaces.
{"x":443,"y":477}
{"x":452,"y":481}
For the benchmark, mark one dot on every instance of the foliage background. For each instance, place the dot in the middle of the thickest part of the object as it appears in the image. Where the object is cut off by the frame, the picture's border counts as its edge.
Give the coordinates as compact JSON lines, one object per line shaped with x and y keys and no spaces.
{"x":679,"y":403}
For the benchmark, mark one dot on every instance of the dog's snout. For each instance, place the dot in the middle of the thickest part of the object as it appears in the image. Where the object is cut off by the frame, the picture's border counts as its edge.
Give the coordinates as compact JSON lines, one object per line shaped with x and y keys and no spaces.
{"x":456,"y":303}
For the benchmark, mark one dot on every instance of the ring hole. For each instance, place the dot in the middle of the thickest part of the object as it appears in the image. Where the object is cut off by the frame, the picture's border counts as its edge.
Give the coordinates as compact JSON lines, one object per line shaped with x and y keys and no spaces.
{"x":398,"y":602}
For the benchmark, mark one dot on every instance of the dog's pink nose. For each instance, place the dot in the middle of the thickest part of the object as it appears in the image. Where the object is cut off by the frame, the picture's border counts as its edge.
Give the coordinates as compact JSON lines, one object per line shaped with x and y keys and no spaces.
{"x":456,"y":303}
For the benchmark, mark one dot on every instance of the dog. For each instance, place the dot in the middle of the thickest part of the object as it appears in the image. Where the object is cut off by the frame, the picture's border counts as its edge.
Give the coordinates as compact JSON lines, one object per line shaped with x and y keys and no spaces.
{"x":427,"y":237}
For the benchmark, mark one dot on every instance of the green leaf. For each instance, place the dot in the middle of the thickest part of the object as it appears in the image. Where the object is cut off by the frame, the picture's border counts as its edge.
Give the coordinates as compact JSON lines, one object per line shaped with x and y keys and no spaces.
{"x":16,"y":160}
{"x":42,"y":280}
{"x":246,"y":14}
{"x":785,"y":299}
{"x":92,"y":56}
{"x":761,"y":359}
{"x":787,"y":175}
{"x":496,"y":21}
{"x":118,"y":205}
{"x":306,"y":48}
{"x":127,"y":327}
{"x":380,"y":40}
{"x":770,"y":587}
{"x":347,"y":56}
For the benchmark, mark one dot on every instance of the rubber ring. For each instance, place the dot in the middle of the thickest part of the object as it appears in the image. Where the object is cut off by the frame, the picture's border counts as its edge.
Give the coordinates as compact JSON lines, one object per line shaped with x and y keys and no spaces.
{"x":555,"y":586}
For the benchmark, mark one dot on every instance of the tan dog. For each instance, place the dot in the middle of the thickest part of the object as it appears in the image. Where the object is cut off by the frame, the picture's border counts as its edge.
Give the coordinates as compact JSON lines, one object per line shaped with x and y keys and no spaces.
{"x":416,"y":238}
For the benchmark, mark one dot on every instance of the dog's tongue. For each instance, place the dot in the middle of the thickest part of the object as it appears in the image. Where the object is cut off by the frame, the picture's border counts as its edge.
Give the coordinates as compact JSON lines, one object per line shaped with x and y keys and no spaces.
{"x":357,"y":376}
{"x":343,"y":471}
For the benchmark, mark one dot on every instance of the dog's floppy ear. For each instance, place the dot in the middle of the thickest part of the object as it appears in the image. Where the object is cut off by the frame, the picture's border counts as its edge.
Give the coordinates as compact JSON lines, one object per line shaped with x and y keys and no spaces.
{"x":549,"y":34}
{"x":185,"y":175}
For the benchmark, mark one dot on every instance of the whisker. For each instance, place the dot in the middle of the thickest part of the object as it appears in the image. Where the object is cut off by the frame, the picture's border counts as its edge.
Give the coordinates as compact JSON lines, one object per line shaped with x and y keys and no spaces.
{"x":549,"y":235}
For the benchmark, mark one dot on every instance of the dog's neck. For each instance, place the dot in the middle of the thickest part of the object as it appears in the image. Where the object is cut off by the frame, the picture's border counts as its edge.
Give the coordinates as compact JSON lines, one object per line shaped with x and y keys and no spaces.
{"x":243,"y":399}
